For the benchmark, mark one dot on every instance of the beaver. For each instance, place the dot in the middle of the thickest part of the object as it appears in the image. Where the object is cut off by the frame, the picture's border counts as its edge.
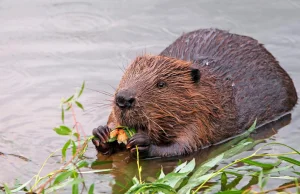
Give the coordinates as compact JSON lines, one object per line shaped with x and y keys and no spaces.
{"x":207,"y":86}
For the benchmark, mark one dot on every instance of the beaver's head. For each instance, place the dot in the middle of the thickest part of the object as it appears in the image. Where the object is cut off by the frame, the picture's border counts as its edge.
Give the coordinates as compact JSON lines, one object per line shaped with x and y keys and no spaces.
{"x":162,"y":96}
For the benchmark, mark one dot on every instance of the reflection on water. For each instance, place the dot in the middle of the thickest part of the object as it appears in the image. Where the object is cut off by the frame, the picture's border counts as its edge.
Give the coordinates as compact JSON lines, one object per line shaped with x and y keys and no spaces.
{"x":47,"y":48}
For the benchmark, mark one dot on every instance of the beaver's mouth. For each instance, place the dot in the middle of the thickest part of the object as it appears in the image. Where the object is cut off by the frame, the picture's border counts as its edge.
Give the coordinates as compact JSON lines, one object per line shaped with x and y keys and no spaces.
{"x":133,"y":121}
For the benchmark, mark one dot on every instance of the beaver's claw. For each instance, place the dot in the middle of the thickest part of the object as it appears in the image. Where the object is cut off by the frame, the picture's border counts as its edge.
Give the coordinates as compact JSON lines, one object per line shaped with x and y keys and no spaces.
{"x":100,"y":141}
{"x":142,"y":141}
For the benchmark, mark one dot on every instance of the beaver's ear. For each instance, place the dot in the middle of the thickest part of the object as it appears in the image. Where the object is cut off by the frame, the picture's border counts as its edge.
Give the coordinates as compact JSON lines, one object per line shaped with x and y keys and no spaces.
{"x":196,"y":75}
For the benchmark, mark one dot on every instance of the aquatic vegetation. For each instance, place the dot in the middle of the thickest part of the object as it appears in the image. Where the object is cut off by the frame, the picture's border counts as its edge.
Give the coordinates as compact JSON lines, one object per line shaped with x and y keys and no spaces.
{"x":70,"y":174}
{"x":187,"y":178}
{"x":212,"y":176}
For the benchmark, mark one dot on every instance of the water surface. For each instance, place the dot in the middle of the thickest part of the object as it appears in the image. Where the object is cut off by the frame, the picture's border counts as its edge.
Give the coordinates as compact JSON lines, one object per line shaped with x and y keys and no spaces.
{"x":47,"y":48}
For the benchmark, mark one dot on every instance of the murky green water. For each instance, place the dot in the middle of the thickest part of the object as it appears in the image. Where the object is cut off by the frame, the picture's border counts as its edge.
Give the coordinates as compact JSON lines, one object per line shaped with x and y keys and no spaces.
{"x":47,"y":48}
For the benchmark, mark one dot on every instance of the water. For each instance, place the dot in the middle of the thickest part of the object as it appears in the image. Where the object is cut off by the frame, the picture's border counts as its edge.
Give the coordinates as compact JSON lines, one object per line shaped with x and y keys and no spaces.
{"x":47,"y":48}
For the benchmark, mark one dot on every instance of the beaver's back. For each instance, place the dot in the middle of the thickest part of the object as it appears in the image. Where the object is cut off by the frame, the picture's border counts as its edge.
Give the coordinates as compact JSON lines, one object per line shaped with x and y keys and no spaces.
{"x":262,"y":89}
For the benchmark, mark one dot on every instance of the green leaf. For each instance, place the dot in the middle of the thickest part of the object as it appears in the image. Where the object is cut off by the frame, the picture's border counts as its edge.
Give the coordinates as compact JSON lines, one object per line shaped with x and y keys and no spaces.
{"x":192,"y":183}
{"x":242,"y":146}
{"x":290,"y":160}
{"x":252,"y":181}
{"x":64,"y":184}
{"x":95,"y":171}
{"x":262,"y":181}
{"x":233,"y":173}
{"x":173,"y":179}
{"x":82,"y":163}
{"x":91,"y":189}
{"x":204,"y":168}
{"x":75,"y":189}
{"x":244,"y":135}
{"x":79,"y":105}
{"x":62,"y":177}
{"x":162,"y":174}
{"x":199,"y":176}
{"x":151,"y":187}
{"x":135,"y":181}
{"x":112,"y":139}
{"x":265,"y":166}
{"x":74,"y":174}
{"x":76,"y":135}
{"x":234,"y":183}
{"x":7,"y":190}
{"x":81,"y":90}
{"x":64,"y":149}
{"x":253,"y":126}
{"x":74,"y":148}
{"x":283,"y":177}
{"x":260,"y":177}
{"x":223,"y":181}
{"x":231,"y":192}
{"x":178,"y":168}
{"x":63,"y":115}
{"x":276,"y":170}
{"x":69,"y":99}
{"x":297,"y":173}
{"x":98,"y":163}
{"x":63,"y":130}
{"x":189,"y":167}
{"x":129,"y":132}
{"x":21,"y":186}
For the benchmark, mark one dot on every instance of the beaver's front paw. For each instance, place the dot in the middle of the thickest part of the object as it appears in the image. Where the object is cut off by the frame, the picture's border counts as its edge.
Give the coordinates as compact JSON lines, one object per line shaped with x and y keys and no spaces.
{"x":100,"y":141}
{"x":142,"y":141}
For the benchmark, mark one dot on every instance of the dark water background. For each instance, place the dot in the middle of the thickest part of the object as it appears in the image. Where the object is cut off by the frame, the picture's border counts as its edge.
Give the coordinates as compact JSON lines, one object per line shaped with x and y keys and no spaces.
{"x":47,"y":48}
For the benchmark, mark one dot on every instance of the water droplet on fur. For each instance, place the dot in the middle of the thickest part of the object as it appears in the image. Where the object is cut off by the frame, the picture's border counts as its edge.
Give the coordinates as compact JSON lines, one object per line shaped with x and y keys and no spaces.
{"x":233,"y":84}
{"x":207,"y":63}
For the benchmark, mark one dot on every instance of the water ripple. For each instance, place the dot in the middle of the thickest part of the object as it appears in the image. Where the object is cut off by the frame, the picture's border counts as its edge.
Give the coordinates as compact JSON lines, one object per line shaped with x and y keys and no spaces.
{"x":14,"y":79}
{"x":78,"y":22}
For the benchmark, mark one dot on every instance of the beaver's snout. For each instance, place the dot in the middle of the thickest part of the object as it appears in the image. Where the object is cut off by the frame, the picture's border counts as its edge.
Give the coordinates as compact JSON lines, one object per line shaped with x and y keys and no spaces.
{"x":125,"y":99}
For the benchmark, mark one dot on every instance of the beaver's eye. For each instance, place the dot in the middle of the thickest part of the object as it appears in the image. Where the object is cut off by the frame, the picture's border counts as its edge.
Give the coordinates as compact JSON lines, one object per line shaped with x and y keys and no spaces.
{"x":161,"y":84}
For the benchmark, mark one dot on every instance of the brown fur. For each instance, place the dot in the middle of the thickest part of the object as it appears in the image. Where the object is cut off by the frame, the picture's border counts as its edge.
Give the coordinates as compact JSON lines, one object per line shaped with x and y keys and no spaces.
{"x":240,"y":81}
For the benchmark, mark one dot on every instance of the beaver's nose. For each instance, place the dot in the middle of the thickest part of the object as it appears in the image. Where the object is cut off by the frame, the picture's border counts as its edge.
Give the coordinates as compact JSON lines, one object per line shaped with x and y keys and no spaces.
{"x":125,"y":99}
